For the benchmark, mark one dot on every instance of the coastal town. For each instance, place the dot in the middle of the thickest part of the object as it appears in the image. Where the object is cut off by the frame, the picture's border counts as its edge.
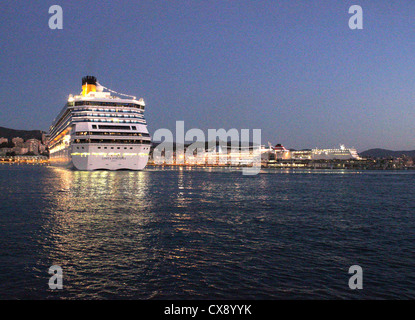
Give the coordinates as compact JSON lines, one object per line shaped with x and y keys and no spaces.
{"x":20,"y":150}
{"x":35,"y":151}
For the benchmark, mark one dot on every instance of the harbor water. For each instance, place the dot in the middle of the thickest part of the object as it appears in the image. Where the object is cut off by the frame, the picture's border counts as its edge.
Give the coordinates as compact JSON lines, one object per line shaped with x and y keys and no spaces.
{"x":206,"y":233}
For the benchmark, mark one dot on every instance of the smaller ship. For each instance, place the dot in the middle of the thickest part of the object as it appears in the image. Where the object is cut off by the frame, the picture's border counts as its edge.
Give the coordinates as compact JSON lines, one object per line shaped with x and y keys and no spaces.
{"x":342,"y":153}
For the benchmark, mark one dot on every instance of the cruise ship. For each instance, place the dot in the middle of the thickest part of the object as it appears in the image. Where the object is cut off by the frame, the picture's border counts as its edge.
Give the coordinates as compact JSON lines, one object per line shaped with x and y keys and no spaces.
{"x":341,"y":153}
{"x":99,"y":131}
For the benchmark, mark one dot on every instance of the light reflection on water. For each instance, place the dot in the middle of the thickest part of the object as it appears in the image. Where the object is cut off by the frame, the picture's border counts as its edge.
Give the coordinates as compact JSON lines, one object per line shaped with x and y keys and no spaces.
{"x":205,"y":233}
{"x":94,"y":216}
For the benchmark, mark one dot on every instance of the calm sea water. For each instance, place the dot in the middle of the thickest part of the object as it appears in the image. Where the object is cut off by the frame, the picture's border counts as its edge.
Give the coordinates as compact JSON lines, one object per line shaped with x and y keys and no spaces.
{"x":206,"y":234}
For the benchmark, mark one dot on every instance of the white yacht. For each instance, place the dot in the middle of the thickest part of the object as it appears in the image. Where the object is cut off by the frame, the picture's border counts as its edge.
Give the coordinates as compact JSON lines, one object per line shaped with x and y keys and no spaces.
{"x":96,"y":130}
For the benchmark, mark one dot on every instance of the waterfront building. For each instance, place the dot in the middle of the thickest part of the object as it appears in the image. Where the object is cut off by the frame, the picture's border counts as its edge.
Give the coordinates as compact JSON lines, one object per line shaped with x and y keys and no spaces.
{"x":20,"y":150}
{"x":33,"y":145}
{"x":5,"y":151}
{"x":18,"y":142}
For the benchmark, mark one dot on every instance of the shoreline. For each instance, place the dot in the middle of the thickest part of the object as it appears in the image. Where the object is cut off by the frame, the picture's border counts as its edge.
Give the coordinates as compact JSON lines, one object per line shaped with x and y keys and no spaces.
{"x":268,"y":168}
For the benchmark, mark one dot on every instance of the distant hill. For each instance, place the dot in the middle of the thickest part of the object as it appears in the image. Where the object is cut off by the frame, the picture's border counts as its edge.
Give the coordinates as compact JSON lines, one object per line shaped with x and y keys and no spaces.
{"x":383,"y":153}
{"x":25,"y":134}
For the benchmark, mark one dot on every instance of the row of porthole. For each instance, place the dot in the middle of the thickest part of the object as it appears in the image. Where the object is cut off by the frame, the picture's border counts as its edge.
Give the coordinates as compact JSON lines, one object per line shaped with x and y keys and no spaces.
{"x":125,"y":148}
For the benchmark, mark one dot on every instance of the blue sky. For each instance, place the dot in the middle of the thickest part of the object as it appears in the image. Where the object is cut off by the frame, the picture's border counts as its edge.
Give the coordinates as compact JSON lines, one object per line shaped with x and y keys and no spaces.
{"x":291,"y":68}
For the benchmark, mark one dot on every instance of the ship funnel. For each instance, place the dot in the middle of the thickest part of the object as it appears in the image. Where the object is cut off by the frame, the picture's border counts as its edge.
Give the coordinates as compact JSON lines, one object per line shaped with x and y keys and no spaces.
{"x":89,"y":84}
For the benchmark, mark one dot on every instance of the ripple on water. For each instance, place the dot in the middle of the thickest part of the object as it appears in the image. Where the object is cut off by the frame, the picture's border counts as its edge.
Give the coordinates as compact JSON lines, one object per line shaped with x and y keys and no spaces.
{"x":206,"y":233}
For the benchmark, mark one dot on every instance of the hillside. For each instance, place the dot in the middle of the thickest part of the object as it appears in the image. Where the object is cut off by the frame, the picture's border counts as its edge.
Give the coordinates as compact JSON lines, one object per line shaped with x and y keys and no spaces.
{"x":383,"y":153}
{"x":25,"y":134}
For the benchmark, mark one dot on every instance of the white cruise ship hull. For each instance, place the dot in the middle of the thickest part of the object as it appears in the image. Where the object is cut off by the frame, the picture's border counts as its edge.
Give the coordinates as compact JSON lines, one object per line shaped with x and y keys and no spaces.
{"x":93,"y":158}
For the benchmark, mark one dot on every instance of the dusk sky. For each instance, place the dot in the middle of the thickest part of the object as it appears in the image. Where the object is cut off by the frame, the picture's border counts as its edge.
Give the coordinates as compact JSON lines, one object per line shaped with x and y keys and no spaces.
{"x":291,"y":68}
